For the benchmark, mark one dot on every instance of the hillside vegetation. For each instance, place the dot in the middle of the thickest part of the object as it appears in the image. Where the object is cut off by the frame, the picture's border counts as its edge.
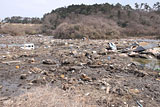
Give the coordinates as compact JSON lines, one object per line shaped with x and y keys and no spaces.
{"x":102,"y":21}
{"x":98,"y":21}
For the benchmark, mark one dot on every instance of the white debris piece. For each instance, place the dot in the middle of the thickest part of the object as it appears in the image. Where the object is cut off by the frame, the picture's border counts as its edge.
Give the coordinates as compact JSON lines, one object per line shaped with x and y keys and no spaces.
{"x":28,"y":46}
{"x":112,"y":46}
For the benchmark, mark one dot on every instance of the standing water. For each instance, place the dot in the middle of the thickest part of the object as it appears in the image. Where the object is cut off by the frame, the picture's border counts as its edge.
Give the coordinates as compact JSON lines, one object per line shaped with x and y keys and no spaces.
{"x":152,"y":63}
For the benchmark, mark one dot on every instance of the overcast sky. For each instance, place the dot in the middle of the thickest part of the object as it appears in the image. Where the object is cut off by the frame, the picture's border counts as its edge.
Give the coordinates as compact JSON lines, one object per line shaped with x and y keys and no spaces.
{"x":36,"y":8}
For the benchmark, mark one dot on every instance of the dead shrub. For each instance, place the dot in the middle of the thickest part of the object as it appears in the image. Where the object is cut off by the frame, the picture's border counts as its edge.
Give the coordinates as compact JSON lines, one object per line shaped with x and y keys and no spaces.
{"x":88,"y":26}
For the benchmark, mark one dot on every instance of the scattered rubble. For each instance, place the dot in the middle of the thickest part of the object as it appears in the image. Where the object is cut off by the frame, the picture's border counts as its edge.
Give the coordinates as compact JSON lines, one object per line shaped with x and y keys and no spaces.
{"x":23,"y":76}
{"x":48,"y":62}
{"x":94,"y":68}
{"x":84,"y":77}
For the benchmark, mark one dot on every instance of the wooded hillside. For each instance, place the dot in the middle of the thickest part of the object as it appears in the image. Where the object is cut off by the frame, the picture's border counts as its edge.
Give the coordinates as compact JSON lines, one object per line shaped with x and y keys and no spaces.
{"x":103,"y":21}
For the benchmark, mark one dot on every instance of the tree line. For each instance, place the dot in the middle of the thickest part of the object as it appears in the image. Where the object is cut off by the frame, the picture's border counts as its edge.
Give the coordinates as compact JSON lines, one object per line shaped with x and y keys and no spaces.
{"x":23,"y":20}
{"x":83,"y":9}
{"x":141,"y":20}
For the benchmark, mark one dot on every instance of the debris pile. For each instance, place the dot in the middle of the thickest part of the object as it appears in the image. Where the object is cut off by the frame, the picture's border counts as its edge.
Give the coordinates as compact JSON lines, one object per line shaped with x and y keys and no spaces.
{"x":94,"y":68}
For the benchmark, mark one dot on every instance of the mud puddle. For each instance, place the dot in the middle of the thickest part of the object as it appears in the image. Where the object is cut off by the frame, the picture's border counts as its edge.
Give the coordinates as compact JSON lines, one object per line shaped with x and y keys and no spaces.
{"x":153,"y":64}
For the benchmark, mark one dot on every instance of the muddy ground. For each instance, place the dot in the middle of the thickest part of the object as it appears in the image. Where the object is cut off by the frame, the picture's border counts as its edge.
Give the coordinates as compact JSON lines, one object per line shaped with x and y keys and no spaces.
{"x":109,"y":78}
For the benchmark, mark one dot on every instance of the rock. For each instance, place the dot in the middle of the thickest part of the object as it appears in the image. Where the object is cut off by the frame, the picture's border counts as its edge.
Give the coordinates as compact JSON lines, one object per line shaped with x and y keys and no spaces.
{"x":32,"y":60}
{"x":134,"y":91}
{"x":65,"y":87}
{"x":74,"y":52}
{"x":29,"y":55}
{"x":133,"y":64}
{"x":75,"y":68}
{"x":158,"y":79}
{"x":132,"y":54}
{"x":23,"y":76}
{"x":45,"y":73}
{"x":95,"y":66}
{"x":103,"y":88}
{"x":1,"y":86}
{"x":141,"y":101}
{"x":138,"y":73}
{"x":41,"y":80}
{"x":34,"y":81}
{"x":123,"y":55}
{"x":94,"y":52}
{"x":30,"y":83}
{"x":108,"y":90}
{"x":5,"y":99}
{"x":52,"y":69}
{"x":87,"y":94}
{"x":88,"y":55}
{"x":84,"y":77}
{"x":137,"y":55}
{"x":102,"y":51}
{"x":158,"y":56}
{"x":65,"y":62}
{"x":111,"y":67}
{"x":142,"y":73}
{"x":103,"y":82}
{"x":98,"y":62}
{"x":48,"y":62}
{"x":155,"y":52}
{"x":35,"y":70}
{"x":118,"y":91}
{"x":125,"y":103}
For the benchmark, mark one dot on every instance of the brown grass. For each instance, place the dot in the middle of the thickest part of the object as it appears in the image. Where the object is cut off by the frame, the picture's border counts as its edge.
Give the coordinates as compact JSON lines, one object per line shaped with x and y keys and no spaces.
{"x":20,"y":29}
{"x":47,"y":97}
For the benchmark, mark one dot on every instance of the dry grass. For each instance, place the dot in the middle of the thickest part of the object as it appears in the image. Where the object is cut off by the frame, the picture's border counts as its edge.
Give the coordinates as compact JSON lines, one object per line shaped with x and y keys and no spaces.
{"x":20,"y":29}
{"x":47,"y":97}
